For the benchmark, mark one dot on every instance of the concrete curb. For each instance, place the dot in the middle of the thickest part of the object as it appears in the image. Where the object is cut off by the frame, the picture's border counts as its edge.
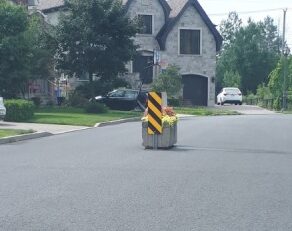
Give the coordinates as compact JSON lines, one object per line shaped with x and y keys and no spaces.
{"x":114,"y":122}
{"x":134,"y":119}
{"x":72,"y":130}
{"x":36,"y":135}
{"x":12,"y":139}
{"x":45,"y":134}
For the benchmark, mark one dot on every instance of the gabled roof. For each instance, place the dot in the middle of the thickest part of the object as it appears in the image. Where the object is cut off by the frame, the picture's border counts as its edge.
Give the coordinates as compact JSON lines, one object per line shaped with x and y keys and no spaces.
{"x":163,"y":3}
{"x":178,"y":7}
{"x":173,"y":10}
{"x":47,"y":5}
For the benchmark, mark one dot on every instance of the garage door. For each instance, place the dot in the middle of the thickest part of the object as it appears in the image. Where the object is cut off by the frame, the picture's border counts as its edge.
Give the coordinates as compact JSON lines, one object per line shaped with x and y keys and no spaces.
{"x":195,"y":89}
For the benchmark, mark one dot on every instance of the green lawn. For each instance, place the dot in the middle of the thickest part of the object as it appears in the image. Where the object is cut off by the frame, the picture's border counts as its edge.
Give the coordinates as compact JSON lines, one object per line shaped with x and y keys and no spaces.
{"x":76,"y":116}
{"x":204,"y":111}
{"x":13,"y":132}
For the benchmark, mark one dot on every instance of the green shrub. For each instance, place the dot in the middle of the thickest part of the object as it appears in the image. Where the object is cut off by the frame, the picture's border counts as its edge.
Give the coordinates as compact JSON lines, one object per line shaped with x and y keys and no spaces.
{"x":37,"y":101}
{"x":50,"y":103}
{"x":170,"y":81}
{"x":173,"y":102}
{"x":18,"y":110}
{"x":96,"y":108}
{"x":77,"y":100}
{"x":277,"y":103}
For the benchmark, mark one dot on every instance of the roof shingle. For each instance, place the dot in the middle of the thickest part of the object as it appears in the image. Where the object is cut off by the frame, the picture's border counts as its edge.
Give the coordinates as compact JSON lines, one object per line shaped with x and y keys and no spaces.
{"x":176,"y":6}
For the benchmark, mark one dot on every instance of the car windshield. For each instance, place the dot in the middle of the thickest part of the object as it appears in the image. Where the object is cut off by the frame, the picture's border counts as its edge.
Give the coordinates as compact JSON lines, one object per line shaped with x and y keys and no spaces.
{"x":232,"y":90}
{"x":117,"y":93}
{"x":123,"y":93}
{"x":131,"y":94}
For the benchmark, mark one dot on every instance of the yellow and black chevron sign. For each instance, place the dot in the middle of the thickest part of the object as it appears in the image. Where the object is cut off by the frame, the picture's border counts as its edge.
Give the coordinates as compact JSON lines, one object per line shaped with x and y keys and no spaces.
{"x":154,"y":113}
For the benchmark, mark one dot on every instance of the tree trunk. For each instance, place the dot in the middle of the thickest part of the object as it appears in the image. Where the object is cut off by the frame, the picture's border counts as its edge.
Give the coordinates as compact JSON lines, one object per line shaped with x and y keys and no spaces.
{"x":92,"y":94}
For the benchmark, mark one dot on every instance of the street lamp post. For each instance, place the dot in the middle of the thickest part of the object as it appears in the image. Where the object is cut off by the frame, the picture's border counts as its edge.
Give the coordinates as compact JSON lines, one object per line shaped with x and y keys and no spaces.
{"x":286,"y":52}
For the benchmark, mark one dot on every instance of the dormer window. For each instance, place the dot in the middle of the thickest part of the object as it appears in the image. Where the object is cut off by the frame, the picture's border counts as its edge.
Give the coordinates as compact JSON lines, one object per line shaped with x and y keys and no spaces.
{"x":145,"y":24}
{"x":190,"y":41}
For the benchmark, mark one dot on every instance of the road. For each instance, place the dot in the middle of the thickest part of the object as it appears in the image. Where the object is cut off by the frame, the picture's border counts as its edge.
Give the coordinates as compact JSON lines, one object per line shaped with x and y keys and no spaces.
{"x":226,"y":173}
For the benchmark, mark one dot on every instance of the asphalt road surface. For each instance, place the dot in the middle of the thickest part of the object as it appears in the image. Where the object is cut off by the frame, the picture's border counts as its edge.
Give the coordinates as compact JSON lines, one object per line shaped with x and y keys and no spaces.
{"x":226,"y":173}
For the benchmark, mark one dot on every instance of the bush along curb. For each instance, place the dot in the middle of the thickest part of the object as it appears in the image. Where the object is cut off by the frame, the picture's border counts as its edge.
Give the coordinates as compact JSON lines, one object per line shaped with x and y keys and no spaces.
{"x":18,"y":110}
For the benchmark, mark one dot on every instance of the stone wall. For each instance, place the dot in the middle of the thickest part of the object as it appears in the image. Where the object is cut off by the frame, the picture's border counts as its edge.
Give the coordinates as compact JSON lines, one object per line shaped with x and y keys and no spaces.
{"x":203,"y":64}
{"x":148,"y":7}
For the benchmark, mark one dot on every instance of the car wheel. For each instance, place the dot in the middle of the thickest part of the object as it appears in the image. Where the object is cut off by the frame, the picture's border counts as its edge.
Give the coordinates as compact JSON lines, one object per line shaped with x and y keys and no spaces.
{"x":222,"y":103}
{"x":240,"y":103}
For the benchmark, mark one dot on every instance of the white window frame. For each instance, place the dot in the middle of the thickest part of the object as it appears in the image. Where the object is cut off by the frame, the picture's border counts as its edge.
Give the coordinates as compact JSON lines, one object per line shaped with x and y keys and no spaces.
{"x":201,"y":40}
{"x":148,"y":14}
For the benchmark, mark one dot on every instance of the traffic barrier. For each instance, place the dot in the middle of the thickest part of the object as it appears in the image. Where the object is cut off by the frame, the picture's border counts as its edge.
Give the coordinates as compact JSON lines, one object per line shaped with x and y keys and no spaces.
{"x":154,"y":113}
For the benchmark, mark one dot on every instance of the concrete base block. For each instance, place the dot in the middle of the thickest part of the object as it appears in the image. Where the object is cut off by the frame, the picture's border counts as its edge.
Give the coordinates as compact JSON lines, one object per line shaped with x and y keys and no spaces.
{"x":164,"y":141}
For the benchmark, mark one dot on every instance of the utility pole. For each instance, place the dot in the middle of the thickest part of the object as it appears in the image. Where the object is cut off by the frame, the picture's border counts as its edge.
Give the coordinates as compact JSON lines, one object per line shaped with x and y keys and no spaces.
{"x":284,"y":57}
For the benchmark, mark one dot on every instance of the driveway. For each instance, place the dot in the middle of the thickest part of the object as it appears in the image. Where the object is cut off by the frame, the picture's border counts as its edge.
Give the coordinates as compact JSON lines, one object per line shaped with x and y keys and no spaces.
{"x":247,"y":109}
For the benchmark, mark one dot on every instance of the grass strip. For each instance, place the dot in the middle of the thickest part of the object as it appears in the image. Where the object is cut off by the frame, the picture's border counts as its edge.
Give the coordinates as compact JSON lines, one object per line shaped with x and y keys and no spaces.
{"x":77,"y":116}
{"x":204,"y":111}
{"x":13,"y":132}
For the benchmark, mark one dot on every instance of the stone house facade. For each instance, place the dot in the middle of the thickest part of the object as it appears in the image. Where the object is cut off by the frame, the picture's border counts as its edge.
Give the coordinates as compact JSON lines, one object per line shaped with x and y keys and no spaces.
{"x":173,"y":32}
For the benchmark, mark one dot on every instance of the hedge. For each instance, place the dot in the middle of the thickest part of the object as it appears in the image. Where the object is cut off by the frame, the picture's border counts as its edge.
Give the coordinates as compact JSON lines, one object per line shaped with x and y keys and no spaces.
{"x":18,"y":110}
{"x":95,"y":108}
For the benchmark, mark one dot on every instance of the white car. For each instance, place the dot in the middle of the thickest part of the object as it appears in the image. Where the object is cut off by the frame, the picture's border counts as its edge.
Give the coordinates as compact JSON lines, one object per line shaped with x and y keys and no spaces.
{"x":2,"y":109}
{"x":230,"y":95}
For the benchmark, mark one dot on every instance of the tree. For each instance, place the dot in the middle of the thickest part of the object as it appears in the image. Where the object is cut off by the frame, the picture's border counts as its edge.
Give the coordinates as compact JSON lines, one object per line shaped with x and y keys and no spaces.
{"x":95,"y":38}
{"x":231,"y":79}
{"x":169,"y":81}
{"x":14,"y":19}
{"x":24,"y":50}
{"x":229,"y":27}
{"x":276,"y":77}
{"x":252,"y":52}
{"x":257,"y":53}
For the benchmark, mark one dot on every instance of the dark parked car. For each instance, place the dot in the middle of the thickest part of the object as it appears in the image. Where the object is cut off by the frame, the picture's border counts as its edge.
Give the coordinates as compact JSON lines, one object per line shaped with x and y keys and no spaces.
{"x":124,"y":99}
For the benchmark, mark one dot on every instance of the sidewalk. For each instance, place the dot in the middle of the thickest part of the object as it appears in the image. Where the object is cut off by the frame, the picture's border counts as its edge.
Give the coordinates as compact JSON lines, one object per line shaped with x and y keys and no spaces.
{"x":40,"y":130}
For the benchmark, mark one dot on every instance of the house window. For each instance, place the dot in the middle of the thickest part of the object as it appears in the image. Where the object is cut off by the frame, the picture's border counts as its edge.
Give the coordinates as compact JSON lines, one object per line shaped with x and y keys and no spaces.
{"x":190,"y":42}
{"x":145,"y":24}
